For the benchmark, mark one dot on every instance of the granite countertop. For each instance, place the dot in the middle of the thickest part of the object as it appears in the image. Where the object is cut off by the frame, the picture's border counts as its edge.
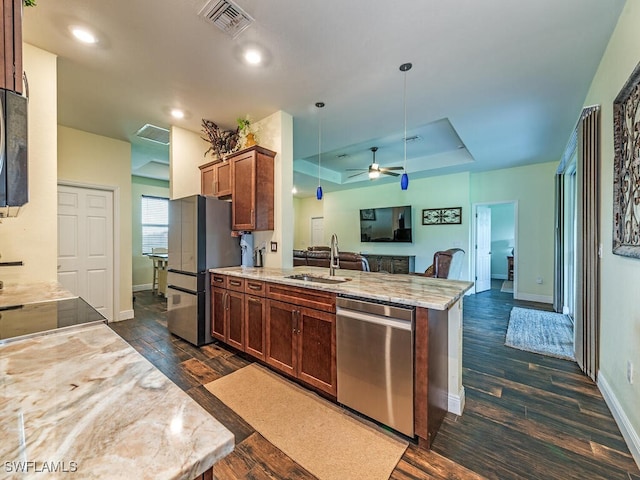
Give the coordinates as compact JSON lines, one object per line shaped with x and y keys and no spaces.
{"x":23,"y":294}
{"x":85,"y":402}
{"x":416,"y":290}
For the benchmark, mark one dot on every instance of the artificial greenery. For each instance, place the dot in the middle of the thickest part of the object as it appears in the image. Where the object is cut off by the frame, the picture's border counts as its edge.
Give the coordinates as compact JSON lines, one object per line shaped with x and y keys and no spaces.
{"x":29,"y":3}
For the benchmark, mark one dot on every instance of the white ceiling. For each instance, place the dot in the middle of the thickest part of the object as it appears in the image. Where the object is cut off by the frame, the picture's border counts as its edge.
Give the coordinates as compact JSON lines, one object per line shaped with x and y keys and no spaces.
{"x":505,"y":80}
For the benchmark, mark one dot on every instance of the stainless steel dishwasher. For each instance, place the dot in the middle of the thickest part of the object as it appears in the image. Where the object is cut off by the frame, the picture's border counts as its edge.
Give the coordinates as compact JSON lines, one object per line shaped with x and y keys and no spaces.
{"x":375,"y":361}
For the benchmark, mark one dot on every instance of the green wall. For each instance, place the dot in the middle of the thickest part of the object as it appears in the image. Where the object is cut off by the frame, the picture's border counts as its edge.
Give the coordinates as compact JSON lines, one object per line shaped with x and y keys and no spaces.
{"x":142,"y":266}
{"x":532,"y":187}
{"x":620,"y":276}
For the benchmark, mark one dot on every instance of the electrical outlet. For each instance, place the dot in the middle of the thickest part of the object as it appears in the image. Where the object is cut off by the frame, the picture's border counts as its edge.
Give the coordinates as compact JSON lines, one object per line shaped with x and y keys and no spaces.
{"x":539,"y":280}
{"x":629,"y":371}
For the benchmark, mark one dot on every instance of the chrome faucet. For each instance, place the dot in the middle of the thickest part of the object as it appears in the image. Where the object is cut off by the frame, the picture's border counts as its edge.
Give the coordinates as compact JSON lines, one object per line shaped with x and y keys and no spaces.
{"x":334,"y":261}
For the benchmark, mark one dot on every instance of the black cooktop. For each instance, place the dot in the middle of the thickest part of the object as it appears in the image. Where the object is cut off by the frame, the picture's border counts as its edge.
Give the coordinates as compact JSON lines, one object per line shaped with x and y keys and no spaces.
{"x":19,"y":321}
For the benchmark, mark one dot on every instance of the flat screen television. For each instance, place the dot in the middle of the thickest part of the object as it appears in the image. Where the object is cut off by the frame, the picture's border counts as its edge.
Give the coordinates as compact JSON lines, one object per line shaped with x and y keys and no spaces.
{"x":387,"y":224}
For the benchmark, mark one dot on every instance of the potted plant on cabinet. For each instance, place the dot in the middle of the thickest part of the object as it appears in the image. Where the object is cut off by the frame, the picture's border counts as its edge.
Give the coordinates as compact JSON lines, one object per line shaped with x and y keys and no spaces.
{"x":248,"y":132}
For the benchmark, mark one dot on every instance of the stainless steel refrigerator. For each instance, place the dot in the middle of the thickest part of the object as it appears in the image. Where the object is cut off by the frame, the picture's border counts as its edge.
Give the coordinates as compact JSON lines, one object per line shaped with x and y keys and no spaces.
{"x":199,"y":239}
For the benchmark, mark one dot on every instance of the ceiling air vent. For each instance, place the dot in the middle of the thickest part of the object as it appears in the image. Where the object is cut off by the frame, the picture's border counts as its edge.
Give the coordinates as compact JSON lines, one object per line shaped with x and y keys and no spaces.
{"x":154,"y":134}
{"x":227,"y":16}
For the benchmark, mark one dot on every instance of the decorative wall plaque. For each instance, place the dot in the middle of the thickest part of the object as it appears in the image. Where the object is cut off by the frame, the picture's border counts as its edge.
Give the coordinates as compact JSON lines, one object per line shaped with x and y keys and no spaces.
{"x":442,"y":216}
{"x":626,"y":168}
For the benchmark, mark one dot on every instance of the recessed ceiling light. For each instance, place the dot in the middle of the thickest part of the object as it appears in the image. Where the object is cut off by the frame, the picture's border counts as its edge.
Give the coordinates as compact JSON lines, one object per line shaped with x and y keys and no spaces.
{"x":253,"y":57}
{"x":83,"y":35}
{"x":177,"y":113}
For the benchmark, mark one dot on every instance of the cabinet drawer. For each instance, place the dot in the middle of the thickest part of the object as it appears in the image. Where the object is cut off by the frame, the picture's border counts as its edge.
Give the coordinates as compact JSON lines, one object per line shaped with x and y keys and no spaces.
{"x":235,"y":284}
{"x":218,"y":280}
{"x":305,"y":297}
{"x":254,"y":287}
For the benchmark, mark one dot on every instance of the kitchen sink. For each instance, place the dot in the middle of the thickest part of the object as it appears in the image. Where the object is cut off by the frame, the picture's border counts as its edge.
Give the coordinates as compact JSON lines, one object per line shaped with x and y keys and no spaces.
{"x":318,"y":279}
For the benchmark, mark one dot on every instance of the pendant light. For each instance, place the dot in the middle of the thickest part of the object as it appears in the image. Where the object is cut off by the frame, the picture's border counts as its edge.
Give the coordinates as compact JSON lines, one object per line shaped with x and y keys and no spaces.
{"x":404,"y":180}
{"x":319,"y":189}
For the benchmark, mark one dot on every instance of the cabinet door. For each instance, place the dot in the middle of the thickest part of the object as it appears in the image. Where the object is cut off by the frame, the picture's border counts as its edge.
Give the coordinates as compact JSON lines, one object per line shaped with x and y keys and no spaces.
{"x":218,"y":309}
{"x":235,"y":320}
{"x":243,"y":174}
{"x":281,"y":327}
{"x":207,"y":180}
{"x":254,"y":327}
{"x":223,"y":179}
{"x":316,"y":349}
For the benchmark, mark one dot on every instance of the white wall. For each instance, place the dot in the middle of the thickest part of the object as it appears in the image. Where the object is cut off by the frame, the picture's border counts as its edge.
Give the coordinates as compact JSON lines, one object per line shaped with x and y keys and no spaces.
{"x":532,"y":187}
{"x":186,"y":153}
{"x":620,"y":276}
{"x":89,"y":159}
{"x":31,"y":236}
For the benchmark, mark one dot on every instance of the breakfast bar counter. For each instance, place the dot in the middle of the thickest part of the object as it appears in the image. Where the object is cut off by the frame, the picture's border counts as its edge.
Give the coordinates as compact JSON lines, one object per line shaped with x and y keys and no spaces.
{"x":82,"y":403}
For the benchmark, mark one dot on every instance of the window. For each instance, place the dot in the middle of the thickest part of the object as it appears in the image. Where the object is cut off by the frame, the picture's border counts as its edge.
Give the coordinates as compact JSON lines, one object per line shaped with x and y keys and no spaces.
{"x":155,"y":223}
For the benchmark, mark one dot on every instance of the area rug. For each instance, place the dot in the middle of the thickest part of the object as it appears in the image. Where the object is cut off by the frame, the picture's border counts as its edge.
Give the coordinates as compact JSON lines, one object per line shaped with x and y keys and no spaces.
{"x":313,"y":432}
{"x":537,"y":331}
{"x":507,"y":286}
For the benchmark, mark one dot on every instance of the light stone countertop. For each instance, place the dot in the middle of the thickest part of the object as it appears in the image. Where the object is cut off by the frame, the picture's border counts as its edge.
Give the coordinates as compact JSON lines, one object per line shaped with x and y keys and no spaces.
{"x":23,"y":294}
{"x":86,"y":400}
{"x":416,"y":290}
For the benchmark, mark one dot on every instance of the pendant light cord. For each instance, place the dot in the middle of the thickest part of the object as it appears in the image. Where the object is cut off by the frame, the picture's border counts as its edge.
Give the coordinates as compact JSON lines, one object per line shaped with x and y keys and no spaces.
{"x":319,"y":146}
{"x":404,"y":101}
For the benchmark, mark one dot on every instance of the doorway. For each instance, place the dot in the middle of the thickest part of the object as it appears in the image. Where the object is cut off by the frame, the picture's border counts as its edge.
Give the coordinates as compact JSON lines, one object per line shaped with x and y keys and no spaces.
{"x":317,"y":231}
{"x":495,"y":243}
{"x":86,"y":246}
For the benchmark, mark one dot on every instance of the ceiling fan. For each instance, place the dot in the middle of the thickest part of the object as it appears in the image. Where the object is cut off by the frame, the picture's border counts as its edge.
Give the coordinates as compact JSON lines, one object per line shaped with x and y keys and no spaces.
{"x":375,"y":169}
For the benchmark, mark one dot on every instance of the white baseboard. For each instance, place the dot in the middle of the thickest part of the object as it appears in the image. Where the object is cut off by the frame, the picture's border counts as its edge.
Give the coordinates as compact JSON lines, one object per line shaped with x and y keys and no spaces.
{"x":124,"y":315}
{"x":456,"y":402}
{"x":533,"y":298}
{"x":139,"y":288}
{"x":628,"y":432}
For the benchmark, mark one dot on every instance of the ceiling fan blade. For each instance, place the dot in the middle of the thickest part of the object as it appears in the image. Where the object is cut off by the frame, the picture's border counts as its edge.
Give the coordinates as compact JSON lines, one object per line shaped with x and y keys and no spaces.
{"x":391,"y":168}
{"x":351,"y":176}
{"x":390,"y":173}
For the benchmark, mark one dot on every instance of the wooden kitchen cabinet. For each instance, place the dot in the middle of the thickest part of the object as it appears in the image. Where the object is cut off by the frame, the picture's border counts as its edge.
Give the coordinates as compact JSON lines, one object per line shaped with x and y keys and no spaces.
{"x":215,"y":179}
{"x":255,"y":309}
{"x":207,"y":179}
{"x":300,"y":341}
{"x":252,"y":189}
{"x":11,"y":45}
{"x":227,"y":311}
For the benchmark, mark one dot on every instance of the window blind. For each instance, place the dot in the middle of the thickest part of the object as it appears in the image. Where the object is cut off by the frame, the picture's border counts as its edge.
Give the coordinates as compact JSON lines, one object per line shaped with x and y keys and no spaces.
{"x":155,"y":223}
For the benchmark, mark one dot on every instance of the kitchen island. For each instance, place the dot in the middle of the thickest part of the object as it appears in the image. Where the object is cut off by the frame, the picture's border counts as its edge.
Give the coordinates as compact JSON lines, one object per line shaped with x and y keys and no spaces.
{"x":81,"y":402}
{"x":290,"y":324}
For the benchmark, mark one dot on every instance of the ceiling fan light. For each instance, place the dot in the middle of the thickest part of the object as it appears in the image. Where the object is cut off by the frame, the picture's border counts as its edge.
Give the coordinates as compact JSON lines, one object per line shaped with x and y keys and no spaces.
{"x":404,"y":181}
{"x":374,"y":174}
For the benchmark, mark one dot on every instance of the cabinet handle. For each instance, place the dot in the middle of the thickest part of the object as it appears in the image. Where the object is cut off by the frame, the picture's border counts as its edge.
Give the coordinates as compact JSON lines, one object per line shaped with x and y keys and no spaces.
{"x":254,"y":286}
{"x":226,"y":300}
{"x":297,"y":322}
{"x":255,"y":300}
{"x":218,"y":280}
{"x":293,"y":321}
{"x":235,"y":283}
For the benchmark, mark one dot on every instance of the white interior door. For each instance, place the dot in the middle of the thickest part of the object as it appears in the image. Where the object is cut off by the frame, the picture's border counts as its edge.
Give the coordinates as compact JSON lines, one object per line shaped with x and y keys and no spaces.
{"x":85,"y":245}
{"x":317,"y":231}
{"x":483,"y":248}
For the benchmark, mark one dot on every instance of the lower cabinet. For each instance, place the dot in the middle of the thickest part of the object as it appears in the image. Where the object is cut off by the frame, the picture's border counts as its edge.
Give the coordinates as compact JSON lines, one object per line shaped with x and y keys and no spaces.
{"x":296,"y":336}
{"x":254,"y":325}
{"x":301,"y":342}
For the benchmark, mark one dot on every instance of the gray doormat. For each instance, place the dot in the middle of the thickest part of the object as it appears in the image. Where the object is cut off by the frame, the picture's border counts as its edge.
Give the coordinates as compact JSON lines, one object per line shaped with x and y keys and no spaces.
{"x":547,"y":333}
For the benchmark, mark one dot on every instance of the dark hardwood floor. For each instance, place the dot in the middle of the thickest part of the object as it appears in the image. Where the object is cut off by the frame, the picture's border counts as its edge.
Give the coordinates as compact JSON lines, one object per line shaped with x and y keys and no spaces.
{"x":527,"y":416}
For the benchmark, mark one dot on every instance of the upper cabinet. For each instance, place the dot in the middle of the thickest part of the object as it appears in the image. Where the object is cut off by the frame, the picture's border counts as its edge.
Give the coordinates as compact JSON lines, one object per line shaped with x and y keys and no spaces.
{"x":215,"y":178}
{"x":245,"y":178}
{"x":252,"y":189}
{"x":11,"y":45}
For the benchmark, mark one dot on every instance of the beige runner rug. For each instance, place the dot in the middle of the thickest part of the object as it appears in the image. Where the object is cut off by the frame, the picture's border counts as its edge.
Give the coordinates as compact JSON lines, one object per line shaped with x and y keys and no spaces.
{"x":313,"y":432}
